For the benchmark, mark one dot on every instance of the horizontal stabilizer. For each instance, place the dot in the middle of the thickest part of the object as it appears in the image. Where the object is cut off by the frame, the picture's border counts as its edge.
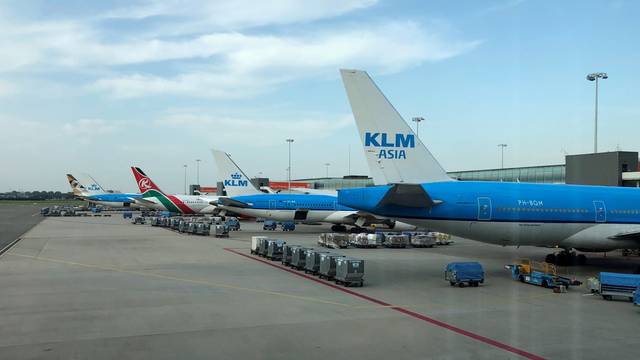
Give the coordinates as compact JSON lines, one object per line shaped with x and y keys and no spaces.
{"x":407,"y":195}
{"x":141,"y":201}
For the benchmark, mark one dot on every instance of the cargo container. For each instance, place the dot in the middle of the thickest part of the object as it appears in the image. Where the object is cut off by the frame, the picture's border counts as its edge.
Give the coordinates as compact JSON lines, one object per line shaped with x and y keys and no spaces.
{"x":327,"y":268}
{"x":349,"y":271}
{"x":127,"y":215}
{"x":233,"y":224}
{"x":396,"y":240}
{"x":620,"y":285}
{"x":312,"y":261}
{"x":220,"y":231}
{"x":422,"y":240}
{"x":263,"y":247}
{"x":203,"y":229}
{"x":274,"y":249}
{"x":287,"y":253}
{"x":461,"y":273}
{"x":255,"y":242}
{"x":138,"y":220}
{"x":182,"y":226}
{"x":299,"y":257}
{"x":335,"y":240}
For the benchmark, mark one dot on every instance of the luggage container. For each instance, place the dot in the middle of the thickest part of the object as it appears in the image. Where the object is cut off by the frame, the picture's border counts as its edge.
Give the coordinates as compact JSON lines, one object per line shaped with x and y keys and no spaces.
{"x":274,"y":249}
{"x":336,"y":240}
{"x":287,"y":253}
{"x":312,"y":261}
{"x":396,"y":240}
{"x":127,"y":215}
{"x":364,"y":240}
{"x":423,"y":240}
{"x":233,"y":224}
{"x":138,"y":220}
{"x":299,"y":257}
{"x":327,"y":268}
{"x":254,"y":243}
{"x":183,"y":225}
{"x":349,"y":271}
{"x":203,"y":229}
{"x":191,"y":227}
{"x":621,"y":285}
{"x":263,"y":247}
{"x":461,"y":273}
{"x":443,"y":239}
{"x":220,"y":231}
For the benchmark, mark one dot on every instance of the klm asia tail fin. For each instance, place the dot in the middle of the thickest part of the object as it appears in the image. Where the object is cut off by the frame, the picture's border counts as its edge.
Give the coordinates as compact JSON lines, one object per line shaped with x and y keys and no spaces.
{"x":394,"y":153}
{"x":144,"y":182}
{"x":235,"y":181}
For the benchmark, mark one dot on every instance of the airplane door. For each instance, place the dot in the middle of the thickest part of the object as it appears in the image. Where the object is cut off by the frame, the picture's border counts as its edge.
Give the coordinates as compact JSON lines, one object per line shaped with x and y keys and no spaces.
{"x":601,"y":211}
{"x":484,"y":208}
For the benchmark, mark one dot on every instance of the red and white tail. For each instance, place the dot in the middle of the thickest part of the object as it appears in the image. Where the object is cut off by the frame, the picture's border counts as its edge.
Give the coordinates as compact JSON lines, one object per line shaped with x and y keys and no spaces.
{"x":143,"y":181}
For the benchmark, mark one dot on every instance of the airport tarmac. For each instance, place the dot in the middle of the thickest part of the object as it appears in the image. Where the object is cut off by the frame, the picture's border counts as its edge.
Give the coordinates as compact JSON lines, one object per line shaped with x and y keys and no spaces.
{"x":15,"y":220}
{"x":102,"y":288}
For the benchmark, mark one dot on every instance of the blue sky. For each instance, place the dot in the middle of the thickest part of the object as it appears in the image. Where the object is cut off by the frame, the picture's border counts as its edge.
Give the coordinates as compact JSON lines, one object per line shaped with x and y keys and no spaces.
{"x":99,"y":86}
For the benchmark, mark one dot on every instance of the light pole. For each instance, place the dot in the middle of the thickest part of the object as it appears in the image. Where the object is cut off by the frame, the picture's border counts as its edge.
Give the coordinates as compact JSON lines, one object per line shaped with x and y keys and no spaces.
{"x":418,"y":120}
{"x":185,"y":178}
{"x":595,"y":77}
{"x":502,"y":146}
{"x":198,"y":171}
{"x":289,"y":141}
{"x":327,"y":169}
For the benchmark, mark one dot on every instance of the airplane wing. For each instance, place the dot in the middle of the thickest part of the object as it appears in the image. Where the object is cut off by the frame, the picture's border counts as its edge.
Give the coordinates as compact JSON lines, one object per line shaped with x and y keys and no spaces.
{"x":632,"y":235}
{"x":230,"y":202}
{"x":141,"y":201}
{"x":408,"y":195}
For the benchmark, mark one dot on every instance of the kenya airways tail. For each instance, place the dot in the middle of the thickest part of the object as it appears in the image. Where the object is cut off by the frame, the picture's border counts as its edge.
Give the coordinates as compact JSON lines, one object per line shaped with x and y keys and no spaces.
{"x":152,"y":195}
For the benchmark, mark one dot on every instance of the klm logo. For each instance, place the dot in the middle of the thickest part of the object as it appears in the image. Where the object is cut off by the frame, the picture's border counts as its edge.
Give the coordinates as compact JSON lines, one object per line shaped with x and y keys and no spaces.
{"x":392,"y":146}
{"x":93,"y":187}
{"x":236,"y":180}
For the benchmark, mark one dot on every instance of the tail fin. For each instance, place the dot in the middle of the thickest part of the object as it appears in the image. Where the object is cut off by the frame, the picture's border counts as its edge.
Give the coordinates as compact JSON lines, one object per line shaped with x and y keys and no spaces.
{"x":235,"y":181}
{"x":76,"y":187}
{"x":394,"y":153}
{"x":92,"y":184}
{"x":144,"y":182}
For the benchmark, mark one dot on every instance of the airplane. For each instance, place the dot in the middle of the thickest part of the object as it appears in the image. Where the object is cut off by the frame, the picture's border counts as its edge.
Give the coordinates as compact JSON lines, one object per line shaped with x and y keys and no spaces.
{"x":155,"y":198}
{"x":94,"y":193}
{"x":419,"y":192}
{"x":244,"y":198}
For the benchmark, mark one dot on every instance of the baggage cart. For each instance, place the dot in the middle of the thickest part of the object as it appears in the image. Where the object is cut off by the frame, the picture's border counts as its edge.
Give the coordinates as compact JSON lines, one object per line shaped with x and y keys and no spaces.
{"x":127,"y":215}
{"x":274,"y":249}
{"x":288,"y":226}
{"x":336,"y":240}
{"x":138,"y":220}
{"x":423,"y":240}
{"x":327,"y":268}
{"x":312,"y":261}
{"x":220,"y":231}
{"x":203,"y":229}
{"x":269,"y":225}
{"x":349,"y":271}
{"x":299,"y":257}
{"x":233,"y":224}
{"x":287,"y":253}
{"x":396,"y":240}
{"x":254,"y":243}
{"x":263,"y":247}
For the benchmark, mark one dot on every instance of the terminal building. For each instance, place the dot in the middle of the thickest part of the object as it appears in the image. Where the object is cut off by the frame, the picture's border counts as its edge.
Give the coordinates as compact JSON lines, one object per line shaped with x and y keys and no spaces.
{"x":615,"y":168}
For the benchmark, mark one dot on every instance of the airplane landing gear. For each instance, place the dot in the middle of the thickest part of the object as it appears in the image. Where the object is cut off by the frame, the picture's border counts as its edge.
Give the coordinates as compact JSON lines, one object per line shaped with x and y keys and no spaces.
{"x":338,"y":228}
{"x":566,"y":258}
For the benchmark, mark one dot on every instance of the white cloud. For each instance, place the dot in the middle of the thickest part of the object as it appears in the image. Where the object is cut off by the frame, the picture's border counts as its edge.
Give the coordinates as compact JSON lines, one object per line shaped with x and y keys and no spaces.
{"x":6,"y":88}
{"x":247,"y":65}
{"x":264,"y":132}
{"x":236,"y":14}
{"x":85,"y":130}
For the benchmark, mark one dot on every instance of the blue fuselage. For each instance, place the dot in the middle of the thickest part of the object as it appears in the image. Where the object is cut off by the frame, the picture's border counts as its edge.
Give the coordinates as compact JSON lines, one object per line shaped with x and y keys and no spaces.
{"x":516,"y":213}
{"x":114,"y":199}
{"x":292,"y":202}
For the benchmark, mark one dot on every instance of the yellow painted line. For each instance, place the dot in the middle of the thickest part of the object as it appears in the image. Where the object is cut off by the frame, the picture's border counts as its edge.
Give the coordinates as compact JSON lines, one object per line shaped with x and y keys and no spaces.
{"x":191,"y":281}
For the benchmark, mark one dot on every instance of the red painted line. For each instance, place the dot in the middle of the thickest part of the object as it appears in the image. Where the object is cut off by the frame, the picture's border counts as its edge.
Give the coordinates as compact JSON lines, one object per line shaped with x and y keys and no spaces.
{"x":457,"y":330}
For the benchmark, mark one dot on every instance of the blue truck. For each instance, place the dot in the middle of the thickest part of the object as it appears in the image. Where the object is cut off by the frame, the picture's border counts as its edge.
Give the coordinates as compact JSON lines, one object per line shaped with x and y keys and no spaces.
{"x":539,"y":273}
{"x":619,"y":285}
{"x":462,"y":273}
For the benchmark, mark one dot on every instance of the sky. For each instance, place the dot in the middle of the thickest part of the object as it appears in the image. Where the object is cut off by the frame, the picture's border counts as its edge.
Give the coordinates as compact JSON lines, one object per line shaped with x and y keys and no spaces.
{"x":95,"y":87}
